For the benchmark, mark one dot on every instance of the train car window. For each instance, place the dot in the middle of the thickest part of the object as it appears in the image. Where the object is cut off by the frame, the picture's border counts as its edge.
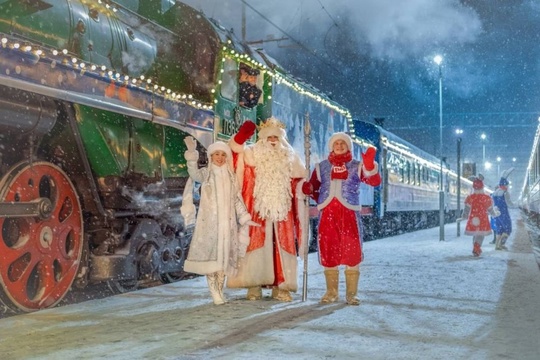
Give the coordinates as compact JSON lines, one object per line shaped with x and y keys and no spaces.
{"x":413,"y":174}
{"x":229,"y":80}
{"x":408,"y":180}
{"x":433,"y":177}
{"x":393,"y":166}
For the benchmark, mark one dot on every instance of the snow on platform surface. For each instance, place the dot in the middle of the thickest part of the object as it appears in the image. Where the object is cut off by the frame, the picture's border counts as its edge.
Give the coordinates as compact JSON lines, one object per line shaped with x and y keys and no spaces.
{"x":420,"y":299}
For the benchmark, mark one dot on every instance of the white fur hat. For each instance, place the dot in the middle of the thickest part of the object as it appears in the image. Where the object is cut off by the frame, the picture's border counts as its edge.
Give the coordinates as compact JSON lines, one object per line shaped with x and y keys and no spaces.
{"x":272,"y":127}
{"x":339,"y":136}
{"x":220,"y":145}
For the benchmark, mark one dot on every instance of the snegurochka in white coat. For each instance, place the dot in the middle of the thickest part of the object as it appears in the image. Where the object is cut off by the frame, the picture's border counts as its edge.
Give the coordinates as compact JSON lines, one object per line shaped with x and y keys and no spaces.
{"x":221,"y":235}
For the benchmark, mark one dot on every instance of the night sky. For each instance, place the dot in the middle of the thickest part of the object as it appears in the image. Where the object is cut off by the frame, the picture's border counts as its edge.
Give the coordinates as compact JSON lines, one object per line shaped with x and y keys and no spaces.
{"x":375,"y":57}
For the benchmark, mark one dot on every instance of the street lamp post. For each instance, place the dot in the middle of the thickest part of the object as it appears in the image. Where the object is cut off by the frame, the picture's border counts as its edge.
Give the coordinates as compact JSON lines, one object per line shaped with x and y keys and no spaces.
{"x":438,"y":60}
{"x":498,"y":167}
{"x":483,"y":137}
{"x":459,"y":132}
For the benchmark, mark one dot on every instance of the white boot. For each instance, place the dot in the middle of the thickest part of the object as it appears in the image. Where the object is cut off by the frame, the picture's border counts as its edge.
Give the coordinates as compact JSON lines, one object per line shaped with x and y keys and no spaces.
{"x":214,"y":289}
{"x":220,"y":282}
{"x":254,"y":293}
{"x":281,"y":295}
{"x":351,"y":281}
{"x":332,"y":284}
{"x":504,"y":237}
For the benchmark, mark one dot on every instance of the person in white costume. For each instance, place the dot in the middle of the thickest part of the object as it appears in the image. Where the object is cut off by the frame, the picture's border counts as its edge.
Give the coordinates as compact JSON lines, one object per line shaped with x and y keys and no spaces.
{"x":220,"y":237}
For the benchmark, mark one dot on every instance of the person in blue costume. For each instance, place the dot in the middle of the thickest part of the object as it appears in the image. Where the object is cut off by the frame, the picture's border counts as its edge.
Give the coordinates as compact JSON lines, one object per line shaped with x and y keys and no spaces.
{"x":503,"y":222}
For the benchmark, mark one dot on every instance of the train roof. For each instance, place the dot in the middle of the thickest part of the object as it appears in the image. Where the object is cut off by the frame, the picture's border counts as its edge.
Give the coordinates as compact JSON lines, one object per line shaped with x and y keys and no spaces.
{"x":392,"y":140}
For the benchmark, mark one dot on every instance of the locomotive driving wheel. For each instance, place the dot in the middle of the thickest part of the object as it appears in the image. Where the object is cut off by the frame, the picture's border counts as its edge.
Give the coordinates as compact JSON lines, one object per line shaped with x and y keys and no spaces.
{"x":40,"y":255}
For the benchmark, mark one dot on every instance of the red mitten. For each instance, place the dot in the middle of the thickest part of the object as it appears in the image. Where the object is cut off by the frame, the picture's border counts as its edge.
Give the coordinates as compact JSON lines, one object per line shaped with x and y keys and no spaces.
{"x":307,"y":188}
{"x":246,"y":131}
{"x":369,"y":158}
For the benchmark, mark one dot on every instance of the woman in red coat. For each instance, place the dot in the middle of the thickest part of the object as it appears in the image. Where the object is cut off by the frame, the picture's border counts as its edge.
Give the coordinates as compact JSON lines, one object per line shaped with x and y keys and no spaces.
{"x":478,"y":206}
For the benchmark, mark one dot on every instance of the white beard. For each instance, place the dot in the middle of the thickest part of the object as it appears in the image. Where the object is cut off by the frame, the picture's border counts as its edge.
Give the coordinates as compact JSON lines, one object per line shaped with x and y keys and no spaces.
{"x":273,"y":169}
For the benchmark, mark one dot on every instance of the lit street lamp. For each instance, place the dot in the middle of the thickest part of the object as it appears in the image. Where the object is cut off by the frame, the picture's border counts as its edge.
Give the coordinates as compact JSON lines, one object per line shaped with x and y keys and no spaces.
{"x":438,"y":60}
{"x":459,"y":132}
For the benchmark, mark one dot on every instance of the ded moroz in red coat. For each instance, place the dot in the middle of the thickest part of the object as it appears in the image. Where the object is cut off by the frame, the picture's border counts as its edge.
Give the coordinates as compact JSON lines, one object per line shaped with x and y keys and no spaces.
{"x":271,"y":189}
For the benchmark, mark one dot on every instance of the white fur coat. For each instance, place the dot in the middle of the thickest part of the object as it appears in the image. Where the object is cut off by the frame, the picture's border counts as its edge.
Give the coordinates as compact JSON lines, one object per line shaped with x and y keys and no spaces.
{"x":257,"y":268}
{"x":216,"y":244}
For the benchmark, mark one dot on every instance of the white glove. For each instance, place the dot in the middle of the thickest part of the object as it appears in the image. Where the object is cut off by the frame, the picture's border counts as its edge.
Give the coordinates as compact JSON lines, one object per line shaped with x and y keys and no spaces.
{"x":191,"y":143}
{"x":252,"y":223}
{"x":496,"y":212}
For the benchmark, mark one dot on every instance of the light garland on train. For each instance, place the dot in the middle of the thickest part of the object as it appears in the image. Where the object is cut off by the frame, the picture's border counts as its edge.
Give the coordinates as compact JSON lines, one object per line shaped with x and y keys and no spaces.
{"x":75,"y":63}
{"x":282,"y":79}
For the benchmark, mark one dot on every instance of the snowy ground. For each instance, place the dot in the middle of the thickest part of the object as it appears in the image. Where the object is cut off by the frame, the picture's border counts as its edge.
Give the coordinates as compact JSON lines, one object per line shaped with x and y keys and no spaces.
{"x":421,"y":299}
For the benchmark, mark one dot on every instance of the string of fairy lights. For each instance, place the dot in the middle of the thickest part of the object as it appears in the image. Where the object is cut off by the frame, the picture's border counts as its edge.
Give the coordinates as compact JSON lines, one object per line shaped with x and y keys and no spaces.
{"x":284,"y":79}
{"x":63,"y":56}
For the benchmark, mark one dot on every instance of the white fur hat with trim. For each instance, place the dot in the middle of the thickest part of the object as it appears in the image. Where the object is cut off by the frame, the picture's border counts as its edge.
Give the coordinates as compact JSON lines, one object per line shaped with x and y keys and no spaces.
{"x":220,"y":145}
{"x":339,"y":136}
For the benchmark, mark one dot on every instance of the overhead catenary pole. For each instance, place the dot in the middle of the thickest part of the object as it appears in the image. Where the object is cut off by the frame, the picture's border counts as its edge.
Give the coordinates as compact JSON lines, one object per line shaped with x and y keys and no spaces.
{"x":459,"y":185}
{"x":438,"y":60}
{"x":305,"y":237}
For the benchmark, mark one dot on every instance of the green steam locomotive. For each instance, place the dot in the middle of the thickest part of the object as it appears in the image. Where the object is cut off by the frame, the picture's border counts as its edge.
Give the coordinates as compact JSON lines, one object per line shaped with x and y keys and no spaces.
{"x":96,"y":97}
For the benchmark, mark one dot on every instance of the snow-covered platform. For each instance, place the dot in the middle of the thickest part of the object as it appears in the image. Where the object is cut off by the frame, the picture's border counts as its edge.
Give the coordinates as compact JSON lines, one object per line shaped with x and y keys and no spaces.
{"x":421,"y":299}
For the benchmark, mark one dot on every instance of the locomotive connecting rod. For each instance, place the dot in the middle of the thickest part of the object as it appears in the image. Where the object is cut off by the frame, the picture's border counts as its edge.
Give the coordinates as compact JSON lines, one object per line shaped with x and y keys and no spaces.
{"x":41,"y":208}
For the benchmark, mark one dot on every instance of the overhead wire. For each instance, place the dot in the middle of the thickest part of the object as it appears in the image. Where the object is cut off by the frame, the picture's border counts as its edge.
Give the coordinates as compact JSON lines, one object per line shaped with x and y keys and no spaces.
{"x":293,"y":39}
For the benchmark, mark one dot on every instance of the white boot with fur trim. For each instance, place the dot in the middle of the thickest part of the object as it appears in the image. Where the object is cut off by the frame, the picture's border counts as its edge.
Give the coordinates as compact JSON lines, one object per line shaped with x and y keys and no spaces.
{"x":213,"y":286}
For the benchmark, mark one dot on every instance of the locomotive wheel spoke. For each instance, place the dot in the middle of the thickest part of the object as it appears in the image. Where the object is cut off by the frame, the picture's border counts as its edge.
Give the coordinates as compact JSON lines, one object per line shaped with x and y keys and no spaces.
{"x":41,"y":257}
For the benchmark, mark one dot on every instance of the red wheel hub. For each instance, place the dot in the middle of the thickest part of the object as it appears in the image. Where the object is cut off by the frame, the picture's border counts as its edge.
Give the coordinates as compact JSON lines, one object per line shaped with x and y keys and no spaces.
{"x":40,"y":257}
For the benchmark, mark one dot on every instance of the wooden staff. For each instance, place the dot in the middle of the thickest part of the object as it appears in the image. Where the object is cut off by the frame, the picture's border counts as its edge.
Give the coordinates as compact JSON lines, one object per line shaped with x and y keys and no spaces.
{"x":307,"y":152}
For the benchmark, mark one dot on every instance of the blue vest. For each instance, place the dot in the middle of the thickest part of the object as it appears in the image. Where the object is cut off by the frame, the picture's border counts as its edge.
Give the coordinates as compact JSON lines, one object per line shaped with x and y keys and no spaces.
{"x":346,"y":191}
